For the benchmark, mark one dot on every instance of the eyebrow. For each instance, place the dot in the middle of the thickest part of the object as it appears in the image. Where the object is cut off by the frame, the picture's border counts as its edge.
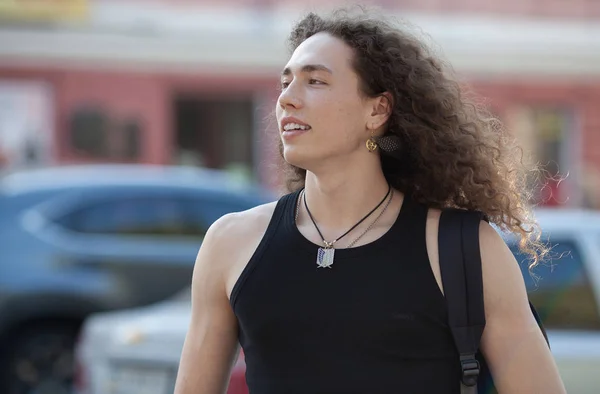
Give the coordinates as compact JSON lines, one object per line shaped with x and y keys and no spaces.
{"x":308,"y":68}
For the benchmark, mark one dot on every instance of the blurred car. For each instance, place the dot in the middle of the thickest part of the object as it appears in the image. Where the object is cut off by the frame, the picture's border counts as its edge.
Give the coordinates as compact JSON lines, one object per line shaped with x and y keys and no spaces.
{"x":565,"y":290}
{"x":83,"y":239}
{"x":138,"y":351}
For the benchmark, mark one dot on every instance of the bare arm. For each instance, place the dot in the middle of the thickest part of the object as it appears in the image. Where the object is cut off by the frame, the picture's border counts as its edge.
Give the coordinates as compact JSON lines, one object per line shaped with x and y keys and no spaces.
{"x":210,"y":347}
{"x":513,"y":344}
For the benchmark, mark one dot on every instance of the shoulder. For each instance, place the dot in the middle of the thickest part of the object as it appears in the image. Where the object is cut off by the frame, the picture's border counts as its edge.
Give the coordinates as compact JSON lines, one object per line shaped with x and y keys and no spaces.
{"x":505,"y":296}
{"x":500,"y":270}
{"x":503,"y":282}
{"x":237,"y":226}
{"x":229,"y":244}
{"x":498,"y":264}
{"x":489,"y":238}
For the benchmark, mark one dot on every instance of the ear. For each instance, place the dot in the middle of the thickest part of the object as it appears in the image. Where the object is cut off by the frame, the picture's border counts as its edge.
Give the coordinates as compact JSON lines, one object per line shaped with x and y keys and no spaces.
{"x":381,"y":110}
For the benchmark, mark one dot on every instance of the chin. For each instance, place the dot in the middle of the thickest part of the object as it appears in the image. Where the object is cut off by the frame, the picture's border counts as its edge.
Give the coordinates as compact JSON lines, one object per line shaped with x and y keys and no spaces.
{"x":296,"y":156}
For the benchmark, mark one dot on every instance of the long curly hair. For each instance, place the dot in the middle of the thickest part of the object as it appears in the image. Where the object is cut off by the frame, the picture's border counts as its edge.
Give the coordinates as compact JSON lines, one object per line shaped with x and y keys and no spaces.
{"x":454,"y":153}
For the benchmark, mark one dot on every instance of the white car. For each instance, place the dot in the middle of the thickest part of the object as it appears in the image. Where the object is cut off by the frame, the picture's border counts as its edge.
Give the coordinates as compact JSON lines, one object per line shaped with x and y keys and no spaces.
{"x":137,"y":351}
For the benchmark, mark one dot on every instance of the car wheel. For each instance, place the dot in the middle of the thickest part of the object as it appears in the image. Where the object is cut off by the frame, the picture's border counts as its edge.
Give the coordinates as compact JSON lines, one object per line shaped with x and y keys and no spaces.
{"x":39,"y":360}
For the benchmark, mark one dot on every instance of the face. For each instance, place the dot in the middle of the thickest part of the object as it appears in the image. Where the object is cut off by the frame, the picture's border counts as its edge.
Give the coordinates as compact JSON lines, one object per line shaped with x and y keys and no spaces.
{"x":320,"y":112}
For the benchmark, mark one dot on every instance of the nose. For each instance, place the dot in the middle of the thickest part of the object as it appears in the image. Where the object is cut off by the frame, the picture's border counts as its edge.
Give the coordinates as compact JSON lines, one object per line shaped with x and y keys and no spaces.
{"x":289,"y":97}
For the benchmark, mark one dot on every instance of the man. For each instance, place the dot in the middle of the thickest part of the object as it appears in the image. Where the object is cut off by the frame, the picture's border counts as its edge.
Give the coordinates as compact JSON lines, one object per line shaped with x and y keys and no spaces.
{"x":336,"y":287}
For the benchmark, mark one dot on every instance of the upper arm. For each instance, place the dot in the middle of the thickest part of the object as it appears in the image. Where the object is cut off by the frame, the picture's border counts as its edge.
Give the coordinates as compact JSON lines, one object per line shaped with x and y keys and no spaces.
{"x":512,"y":343}
{"x":210,"y":346}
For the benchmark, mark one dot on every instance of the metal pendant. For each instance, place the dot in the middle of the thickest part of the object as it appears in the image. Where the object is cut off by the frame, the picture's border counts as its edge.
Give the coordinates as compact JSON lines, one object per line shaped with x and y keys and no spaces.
{"x":325,"y":257}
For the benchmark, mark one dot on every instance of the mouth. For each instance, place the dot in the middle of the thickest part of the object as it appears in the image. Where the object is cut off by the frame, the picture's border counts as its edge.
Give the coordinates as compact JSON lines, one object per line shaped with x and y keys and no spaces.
{"x":291,"y":132}
{"x":292,"y":125}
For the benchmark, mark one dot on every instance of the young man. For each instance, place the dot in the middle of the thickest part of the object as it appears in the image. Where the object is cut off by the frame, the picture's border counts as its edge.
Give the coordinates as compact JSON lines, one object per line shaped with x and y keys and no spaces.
{"x":336,"y":287}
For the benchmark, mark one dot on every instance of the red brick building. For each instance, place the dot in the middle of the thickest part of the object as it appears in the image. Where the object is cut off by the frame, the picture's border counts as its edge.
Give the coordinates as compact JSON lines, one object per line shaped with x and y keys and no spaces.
{"x":192,"y":82}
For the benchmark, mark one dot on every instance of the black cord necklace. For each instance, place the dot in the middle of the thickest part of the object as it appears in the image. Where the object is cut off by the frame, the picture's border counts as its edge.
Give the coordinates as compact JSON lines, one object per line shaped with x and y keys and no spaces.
{"x":325,"y":255}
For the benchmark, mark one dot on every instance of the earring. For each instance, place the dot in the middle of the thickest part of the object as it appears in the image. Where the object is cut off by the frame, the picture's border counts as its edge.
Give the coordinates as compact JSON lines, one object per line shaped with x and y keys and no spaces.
{"x":371,"y":144}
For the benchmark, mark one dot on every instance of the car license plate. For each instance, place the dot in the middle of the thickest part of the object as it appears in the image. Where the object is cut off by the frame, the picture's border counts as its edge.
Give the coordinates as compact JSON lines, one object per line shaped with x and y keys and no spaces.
{"x":133,"y":380}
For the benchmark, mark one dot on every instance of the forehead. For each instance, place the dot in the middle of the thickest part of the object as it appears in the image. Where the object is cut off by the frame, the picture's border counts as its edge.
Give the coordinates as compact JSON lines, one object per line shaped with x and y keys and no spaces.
{"x":322,"y":48}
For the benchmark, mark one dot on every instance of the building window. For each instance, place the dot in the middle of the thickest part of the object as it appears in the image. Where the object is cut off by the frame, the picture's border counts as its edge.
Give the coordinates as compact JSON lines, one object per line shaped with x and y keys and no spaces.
{"x":95,"y":133}
{"x":215,"y":133}
{"x":89,"y":132}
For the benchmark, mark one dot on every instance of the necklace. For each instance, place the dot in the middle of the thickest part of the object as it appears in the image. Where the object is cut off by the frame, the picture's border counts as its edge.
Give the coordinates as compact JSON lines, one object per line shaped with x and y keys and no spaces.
{"x":325,"y":255}
{"x":385,"y":207}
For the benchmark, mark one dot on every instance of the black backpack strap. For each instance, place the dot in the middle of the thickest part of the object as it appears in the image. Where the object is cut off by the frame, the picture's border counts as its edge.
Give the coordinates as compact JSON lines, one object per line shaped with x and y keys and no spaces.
{"x":538,"y":319}
{"x":460,"y":266}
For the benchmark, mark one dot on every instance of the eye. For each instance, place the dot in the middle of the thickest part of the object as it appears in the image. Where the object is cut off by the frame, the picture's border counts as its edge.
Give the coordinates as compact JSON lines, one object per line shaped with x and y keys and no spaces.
{"x":313,"y":81}
{"x":284,"y":84}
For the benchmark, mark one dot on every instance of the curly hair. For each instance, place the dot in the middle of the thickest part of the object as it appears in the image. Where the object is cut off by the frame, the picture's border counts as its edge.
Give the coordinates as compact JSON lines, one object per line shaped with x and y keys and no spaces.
{"x":454,"y":153}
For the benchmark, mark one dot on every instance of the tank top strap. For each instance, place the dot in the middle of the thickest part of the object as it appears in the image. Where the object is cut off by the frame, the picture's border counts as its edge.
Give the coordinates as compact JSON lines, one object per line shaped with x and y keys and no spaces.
{"x":279,"y":217}
{"x":289,"y":209}
{"x":416,"y":211}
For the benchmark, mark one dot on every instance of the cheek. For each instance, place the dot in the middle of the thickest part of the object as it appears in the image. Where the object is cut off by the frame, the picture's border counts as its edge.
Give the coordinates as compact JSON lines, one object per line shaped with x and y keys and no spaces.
{"x":348,"y":116}
{"x":336,"y":109}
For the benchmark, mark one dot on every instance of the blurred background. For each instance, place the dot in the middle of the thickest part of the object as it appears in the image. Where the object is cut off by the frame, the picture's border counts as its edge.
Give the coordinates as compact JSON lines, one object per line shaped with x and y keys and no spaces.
{"x":128,"y":126}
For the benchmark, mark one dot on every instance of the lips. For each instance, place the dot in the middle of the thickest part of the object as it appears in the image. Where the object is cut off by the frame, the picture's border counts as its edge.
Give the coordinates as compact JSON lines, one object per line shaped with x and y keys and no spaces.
{"x":288,"y":134}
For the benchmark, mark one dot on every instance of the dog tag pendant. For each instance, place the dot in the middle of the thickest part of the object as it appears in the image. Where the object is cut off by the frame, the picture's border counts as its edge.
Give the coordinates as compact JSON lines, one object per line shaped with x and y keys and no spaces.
{"x":325,"y":257}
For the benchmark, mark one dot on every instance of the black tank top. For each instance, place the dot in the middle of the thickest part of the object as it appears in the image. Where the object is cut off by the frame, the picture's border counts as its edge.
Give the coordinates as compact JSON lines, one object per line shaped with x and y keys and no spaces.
{"x":375,"y":323}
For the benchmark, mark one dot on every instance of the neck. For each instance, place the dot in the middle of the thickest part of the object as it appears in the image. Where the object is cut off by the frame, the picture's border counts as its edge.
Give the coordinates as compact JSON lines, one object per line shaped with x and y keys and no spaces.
{"x":339,"y":199}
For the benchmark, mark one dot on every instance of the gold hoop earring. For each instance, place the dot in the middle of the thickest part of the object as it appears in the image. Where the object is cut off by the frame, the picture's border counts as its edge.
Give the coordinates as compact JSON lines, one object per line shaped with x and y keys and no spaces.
{"x":371,"y":144}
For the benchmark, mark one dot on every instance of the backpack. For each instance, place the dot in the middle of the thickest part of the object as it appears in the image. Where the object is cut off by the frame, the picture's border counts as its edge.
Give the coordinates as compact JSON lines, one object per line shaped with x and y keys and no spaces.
{"x":460,"y":266}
